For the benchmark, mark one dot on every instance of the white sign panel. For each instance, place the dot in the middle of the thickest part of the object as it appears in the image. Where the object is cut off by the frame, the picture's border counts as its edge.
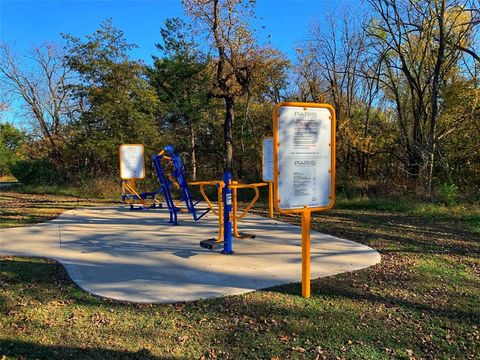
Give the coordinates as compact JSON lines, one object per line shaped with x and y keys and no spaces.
{"x":132,"y":162}
{"x":304,"y":157}
{"x":267,"y":163}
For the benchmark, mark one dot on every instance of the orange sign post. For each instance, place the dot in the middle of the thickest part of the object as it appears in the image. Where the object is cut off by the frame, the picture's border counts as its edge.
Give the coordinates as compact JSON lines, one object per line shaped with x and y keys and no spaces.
{"x":304,"y":166}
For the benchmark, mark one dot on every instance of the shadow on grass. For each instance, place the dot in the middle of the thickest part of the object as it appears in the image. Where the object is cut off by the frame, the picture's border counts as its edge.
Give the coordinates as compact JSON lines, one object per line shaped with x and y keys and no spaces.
{"x":409,"y":233}
{"x":339,"y":290}
{"x":11,"y":220}
{"x":43,"y":280}
{"x":47,"y":281}
{"x":29,"y":350}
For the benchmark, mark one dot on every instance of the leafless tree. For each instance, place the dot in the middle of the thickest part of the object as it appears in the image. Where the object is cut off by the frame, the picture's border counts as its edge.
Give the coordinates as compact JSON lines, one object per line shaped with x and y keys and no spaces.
{"x":472,"y":23}
{"x":418,"y":43}
{"x":310,"y":82}
{"x":337,"y":47}
{"x":237,"y":56}
{"x":332,"y":66}
{"x":40,"y":82}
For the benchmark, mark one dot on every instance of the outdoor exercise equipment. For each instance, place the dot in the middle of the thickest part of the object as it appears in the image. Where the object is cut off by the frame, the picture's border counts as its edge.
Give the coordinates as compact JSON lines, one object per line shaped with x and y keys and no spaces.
{"x":304,"y":166}
{"x":132,"y":168}
{"x":229,"y":215}
{"x":138,"y":200}
{"x":179,"y":173}
{"x":177,"y":181}
{"x":300,"y":181}
{"x":227,"y":205}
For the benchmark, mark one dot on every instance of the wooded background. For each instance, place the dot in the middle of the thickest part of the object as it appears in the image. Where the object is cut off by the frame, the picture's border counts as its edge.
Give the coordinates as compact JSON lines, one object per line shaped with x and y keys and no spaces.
{"x":403,"y":76}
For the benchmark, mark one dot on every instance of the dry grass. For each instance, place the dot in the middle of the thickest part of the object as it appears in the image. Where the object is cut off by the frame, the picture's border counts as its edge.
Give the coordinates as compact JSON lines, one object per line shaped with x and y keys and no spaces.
{"x":7,"y":179}
{"x":20,"y":209}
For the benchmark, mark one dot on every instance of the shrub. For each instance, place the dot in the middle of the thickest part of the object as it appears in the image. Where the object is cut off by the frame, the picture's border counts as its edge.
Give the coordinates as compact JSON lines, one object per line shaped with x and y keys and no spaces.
{"x":35,"y":172}
{"x":449,"y":193}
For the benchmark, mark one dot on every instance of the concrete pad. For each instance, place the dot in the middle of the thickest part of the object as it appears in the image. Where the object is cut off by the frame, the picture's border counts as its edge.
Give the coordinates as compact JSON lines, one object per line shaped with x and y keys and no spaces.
{"x":138,"y":256}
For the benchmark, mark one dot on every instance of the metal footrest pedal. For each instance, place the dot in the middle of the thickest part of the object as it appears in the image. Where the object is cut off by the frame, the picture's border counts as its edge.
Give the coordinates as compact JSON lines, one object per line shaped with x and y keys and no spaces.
{"x":247,"y":236}
{"x":211,"y":244}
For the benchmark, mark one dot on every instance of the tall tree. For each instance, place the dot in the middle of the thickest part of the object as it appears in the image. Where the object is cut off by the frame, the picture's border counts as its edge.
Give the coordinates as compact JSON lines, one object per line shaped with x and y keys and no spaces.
{"x":182,"y":83}
{"x":332,"y":67}
{"x":471,"y":20}
{"x":418,"y":43}
{"x":118,"y":105}
{"x":237,"y":56}
{"x":337,"y":48}
{"x":42,"y":84}
{"x":11,"y":142}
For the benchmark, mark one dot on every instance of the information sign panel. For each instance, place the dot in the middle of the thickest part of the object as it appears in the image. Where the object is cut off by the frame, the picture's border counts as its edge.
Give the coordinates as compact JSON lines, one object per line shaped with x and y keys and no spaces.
{"x":267,"y":159}
{"x":304,"y":156}
{"x":132,"y":161}
{"x":304,"y":166}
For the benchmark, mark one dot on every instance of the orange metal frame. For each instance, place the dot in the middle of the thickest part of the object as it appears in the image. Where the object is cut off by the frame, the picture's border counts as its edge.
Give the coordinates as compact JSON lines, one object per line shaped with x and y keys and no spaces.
{"x":129,"y":187}
{"x":219,"y":212}
{"x":235,"y":217}
{"x":219,"y":209}
{"x":234,"y":185}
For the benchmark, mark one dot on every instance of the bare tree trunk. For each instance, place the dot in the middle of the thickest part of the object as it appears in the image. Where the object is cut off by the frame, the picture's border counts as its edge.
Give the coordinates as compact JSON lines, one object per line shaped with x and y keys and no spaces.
{"x":43,"y":90}
{"x":240,"y":167}
{"x":429,"y":173}
{"x":415,"y":158}
{"x":193,"y":156}
{"x":434,"y":99}
{"x":364,"y":154}
{"x":228,"y":134}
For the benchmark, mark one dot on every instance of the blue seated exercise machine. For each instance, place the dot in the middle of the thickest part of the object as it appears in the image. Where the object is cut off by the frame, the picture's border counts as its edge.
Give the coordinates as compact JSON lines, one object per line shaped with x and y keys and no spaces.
{"x":177,"y":181}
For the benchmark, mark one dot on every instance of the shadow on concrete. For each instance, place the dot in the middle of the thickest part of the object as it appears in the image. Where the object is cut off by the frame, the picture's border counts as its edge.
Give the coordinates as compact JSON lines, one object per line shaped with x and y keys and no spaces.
{"x":139,"y":257}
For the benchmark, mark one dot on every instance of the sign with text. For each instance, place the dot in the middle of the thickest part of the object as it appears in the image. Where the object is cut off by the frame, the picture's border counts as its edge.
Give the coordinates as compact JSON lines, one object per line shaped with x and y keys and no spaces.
{"x":132,"y":161}
{"x":304,"y":156}
{"x":304,"y":166}
{"x":267,"y":159}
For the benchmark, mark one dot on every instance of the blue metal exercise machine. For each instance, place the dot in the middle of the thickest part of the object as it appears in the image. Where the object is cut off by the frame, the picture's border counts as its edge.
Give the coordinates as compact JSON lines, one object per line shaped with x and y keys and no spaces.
{"x":178,"y":181}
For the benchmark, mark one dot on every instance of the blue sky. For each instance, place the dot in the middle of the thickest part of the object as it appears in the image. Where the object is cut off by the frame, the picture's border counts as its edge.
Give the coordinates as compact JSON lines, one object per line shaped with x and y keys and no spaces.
{"x":32,"y":22}
{"x":26,"y":23}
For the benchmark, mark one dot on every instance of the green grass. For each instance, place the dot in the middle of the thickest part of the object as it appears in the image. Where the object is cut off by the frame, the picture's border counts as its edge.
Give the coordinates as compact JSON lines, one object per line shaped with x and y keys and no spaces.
{"x":455,"y":274}
{"x":469,"y":213}
{"x":421,"y":301}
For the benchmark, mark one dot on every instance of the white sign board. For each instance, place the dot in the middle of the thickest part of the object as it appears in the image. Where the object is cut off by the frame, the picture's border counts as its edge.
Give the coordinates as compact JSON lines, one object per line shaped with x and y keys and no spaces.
{"x":304,"y":158}
{"x":132,"y":161}
{"x":267,"y":162}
